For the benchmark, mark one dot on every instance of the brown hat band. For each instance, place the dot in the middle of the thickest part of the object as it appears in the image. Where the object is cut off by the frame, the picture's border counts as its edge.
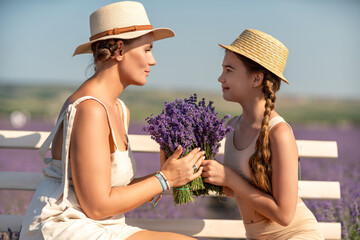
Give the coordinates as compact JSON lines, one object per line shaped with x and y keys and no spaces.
{"x":117,"y":31}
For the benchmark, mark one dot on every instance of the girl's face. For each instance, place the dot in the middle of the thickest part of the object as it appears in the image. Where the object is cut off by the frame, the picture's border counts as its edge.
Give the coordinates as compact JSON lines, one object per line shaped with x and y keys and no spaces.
{"x":236,"y":81}
{"x":137,"y":60}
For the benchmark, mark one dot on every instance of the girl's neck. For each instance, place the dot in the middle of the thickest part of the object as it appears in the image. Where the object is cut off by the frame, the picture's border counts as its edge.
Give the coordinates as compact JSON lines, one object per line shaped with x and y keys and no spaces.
{"x":253,"y":113}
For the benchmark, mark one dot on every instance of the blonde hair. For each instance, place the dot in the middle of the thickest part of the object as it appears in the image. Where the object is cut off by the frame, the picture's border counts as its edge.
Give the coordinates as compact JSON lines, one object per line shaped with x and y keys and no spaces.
{"x":260,"y":161}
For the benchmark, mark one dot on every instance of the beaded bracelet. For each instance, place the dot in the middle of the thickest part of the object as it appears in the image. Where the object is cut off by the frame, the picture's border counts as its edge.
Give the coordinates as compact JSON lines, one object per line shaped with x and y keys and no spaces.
{"x":166,"y":181}
{"x":155,"y":200}
{"x":164,"y":184}
{"x":162,"y":181}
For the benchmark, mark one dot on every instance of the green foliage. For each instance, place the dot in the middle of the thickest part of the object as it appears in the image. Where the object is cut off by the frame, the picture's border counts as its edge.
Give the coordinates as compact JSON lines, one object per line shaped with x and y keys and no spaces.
{"x":46,"y":101}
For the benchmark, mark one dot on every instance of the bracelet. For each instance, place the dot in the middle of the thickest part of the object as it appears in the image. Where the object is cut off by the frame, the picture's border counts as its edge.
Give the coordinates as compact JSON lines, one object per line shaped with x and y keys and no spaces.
{"x":164,"y":184}
{"x":162,"y":181}
{"x":156,"y":200}
{"x":166,"y":181}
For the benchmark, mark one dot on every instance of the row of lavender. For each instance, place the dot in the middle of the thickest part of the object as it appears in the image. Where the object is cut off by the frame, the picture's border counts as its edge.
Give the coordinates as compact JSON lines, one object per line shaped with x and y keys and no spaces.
{"x":345,"y":169}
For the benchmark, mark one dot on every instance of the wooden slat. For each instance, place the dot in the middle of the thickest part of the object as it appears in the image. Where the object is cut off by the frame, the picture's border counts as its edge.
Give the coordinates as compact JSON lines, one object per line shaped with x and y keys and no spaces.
{"x":308,"y":189}
{"x":216,"y":228}
{"x":143,"y":143}
{"x":317,"y":149}
{"x":313,"y":190}
{"x":319,"y":189}
{"x":331,"y":230}
{"x":22,"y":139}
{"x":20,"y":180}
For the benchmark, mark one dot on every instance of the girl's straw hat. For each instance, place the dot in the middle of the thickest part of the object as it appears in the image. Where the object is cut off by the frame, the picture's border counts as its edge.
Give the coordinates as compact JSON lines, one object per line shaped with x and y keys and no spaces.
{"x":123,"y":20}
{"x":262,"y":49}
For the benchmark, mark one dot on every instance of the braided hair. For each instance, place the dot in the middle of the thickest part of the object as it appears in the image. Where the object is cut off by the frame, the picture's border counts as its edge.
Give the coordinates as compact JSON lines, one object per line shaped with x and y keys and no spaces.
{"x":105,"y":49}
{"x":260,"y":161}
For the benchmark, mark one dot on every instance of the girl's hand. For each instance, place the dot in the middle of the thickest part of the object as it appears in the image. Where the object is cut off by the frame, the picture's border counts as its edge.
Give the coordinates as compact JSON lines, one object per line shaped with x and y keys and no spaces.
{"x":214,"y":173}
{"x":180,"y":171}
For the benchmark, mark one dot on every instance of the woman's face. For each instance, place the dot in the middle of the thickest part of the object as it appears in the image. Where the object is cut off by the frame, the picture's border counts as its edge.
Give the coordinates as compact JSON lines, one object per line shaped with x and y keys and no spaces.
{"x":137,"y":60}
{"x":235,"y":79}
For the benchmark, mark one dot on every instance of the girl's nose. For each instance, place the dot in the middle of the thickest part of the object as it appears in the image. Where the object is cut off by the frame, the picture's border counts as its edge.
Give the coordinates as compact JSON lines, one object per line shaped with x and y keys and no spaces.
{"x":221,"y":79}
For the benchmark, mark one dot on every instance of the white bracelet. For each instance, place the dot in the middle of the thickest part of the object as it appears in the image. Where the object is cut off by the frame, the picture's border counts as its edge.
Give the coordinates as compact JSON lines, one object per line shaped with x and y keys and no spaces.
{"x":166,"y":181}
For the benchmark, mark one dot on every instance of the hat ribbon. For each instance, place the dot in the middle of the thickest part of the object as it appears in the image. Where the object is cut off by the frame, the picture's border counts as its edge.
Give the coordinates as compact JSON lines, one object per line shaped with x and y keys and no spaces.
{"x":117,"y":31}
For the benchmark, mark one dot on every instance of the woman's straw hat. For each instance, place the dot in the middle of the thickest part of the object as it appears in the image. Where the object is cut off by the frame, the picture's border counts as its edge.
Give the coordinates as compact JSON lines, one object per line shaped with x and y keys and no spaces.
{"x":261,"y":48}
{"x":123,"y":20}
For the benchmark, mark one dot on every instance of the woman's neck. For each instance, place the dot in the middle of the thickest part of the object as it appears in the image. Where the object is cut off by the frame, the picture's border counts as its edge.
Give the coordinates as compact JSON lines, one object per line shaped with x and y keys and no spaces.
{"x":106,"y":84}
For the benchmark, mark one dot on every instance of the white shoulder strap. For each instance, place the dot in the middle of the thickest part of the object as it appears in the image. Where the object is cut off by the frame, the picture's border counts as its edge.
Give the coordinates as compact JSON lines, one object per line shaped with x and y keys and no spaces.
{"x":276,"y":120}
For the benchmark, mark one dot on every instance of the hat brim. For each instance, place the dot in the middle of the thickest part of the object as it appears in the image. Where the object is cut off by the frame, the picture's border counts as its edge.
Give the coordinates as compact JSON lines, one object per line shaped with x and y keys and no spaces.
{"x":158,"y":34}
{"x":238,"y":51}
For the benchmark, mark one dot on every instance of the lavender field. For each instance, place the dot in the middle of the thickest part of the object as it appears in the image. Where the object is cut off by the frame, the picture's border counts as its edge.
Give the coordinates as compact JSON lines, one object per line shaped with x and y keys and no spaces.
{"x":345,"y":169}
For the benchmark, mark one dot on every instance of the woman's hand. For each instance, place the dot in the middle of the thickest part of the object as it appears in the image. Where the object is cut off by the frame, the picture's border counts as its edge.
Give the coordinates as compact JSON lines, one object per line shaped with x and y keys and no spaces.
{"x":180,"y":171}
{"x":162,"y":158}
{"x":214,"y":173}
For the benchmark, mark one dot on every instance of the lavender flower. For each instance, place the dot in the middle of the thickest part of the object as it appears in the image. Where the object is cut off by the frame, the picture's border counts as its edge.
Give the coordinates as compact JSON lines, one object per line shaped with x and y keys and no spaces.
{"x":191,"y":124}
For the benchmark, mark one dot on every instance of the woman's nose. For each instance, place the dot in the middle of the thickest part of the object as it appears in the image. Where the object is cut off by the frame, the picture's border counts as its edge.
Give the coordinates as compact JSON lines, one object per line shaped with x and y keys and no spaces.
{"x":152,"y":61}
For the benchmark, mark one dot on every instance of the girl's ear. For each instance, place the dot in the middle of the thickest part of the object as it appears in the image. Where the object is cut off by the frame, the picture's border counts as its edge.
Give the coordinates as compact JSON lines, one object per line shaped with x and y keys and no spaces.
{"x":120,"y":51}
{"x":258,"y":79}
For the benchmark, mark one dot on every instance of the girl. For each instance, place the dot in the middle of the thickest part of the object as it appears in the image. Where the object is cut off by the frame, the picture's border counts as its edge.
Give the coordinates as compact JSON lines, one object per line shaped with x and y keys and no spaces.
{"x":261,"y":157}
{"x":90,"y":183}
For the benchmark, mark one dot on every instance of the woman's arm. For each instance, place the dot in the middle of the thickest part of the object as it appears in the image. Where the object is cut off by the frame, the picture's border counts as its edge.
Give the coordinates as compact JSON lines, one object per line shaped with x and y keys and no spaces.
{"x":91,"y":168}
{"x":279,"y":207}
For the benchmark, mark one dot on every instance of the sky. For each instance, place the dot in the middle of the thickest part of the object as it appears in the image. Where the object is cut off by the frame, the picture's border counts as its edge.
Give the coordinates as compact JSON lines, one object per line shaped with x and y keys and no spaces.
{"x":38,"y":38}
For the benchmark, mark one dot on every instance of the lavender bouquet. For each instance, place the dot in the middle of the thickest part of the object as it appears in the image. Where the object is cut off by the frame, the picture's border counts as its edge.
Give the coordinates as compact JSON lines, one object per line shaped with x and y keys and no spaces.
{"x":191,"y":124}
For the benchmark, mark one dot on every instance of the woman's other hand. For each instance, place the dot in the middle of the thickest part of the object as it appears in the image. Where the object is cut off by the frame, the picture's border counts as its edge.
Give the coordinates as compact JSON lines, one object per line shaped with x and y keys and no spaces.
{"x":162,"y":158}
{"x":180,"y":171}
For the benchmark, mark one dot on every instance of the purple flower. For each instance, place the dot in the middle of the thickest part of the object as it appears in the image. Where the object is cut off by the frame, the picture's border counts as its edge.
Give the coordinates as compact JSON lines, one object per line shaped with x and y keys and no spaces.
{"x":191,"y":124}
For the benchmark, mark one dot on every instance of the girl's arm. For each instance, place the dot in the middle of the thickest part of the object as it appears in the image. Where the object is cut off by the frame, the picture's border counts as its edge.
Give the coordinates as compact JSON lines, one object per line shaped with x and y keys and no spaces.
{"x":91,"y":168}
{"x":281,"y":205}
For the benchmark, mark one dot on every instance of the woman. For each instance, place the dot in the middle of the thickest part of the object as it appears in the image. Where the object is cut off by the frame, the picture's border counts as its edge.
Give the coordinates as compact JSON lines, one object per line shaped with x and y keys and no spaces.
{"x":89,"y":183}
{"x":261,"y":157}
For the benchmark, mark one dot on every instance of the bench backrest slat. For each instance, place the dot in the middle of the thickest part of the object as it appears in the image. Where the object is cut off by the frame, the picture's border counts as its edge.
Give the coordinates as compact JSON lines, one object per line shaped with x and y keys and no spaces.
{"x":308,"y":189}
{"x":144,"y":143}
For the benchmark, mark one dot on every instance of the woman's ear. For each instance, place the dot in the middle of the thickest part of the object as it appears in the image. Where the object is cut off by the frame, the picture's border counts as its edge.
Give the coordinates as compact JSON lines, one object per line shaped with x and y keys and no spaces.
{"x":120,"y":51}
{"x":258,"y":79}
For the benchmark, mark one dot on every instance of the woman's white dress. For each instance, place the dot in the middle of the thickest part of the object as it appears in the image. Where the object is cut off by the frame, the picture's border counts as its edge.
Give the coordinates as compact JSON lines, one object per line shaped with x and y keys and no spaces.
{"x":54,"y":212}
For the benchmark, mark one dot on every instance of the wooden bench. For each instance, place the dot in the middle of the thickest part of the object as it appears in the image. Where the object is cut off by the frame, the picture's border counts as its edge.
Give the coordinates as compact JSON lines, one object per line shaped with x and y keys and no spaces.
{"x":213,"y":228}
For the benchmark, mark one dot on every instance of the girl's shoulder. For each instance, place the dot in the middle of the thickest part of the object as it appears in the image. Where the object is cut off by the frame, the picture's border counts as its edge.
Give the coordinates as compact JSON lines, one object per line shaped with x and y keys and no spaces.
{"x":280,"y":131}
{"x":233,"y":121}
{"x":277,"y":121}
